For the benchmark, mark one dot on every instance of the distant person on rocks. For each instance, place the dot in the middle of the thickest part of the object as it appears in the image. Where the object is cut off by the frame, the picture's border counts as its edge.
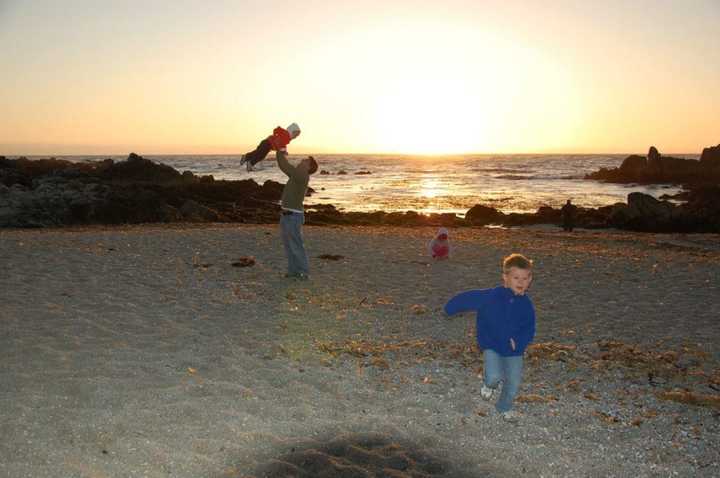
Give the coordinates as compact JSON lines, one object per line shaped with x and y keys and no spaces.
{"x":277,"y":141}
{"x":292,"y":213}
{"x":505,"y":326}
{"x":568,"y":216}
{"x":439,"y":246}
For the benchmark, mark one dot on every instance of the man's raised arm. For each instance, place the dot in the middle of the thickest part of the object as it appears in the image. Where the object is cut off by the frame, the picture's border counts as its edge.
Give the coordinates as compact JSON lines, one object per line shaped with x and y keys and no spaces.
{"x":284,"y":164}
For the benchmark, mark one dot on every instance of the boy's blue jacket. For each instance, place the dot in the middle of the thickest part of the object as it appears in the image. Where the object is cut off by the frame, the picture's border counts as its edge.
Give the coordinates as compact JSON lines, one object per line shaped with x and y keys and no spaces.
{"x":501,"y":315}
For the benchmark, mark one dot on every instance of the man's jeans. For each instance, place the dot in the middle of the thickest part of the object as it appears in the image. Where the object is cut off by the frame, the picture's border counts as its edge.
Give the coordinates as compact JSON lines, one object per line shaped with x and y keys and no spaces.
{"x":291,"y":231}
{"x":507,"y":369}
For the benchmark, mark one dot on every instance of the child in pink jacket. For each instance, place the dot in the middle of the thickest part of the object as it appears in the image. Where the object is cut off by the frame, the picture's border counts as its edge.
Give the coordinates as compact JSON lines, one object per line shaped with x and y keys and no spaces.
{"x":439,"y":246}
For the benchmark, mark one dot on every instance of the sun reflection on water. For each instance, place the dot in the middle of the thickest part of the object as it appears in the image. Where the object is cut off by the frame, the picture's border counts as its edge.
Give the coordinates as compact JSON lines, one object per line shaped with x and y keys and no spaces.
{"x":431,"y":188}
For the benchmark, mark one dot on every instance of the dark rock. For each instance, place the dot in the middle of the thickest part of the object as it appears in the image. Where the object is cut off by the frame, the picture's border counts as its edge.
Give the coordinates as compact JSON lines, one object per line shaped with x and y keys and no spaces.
{"x":645,"y":205}
{"x":703,"y":209}
{"x":324,"y":214}
{"x":193,"y":211}
{"x":138,"y":169}
{"x":408,"y":218}
{"x":548,"y":215}
{"x":654,"y":162}
{"x":133,"y":204}
{"x":634,"y":165}
{"x":53,"y":192}
{"x":645,"y":213}
{"x":331,"y":257}
{"x":711,"y":155}
{"x":663,"y":169}
{"x":480,"y":215}
{"x":271,"y":190}
{"x":444,"y":219}
{"x":244,"y":261}
{"x":8,"y":177}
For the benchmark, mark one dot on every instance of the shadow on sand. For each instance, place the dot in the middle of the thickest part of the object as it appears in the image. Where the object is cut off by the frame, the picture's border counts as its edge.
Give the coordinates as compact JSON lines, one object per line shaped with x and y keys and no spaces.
{"x":364,"y":455}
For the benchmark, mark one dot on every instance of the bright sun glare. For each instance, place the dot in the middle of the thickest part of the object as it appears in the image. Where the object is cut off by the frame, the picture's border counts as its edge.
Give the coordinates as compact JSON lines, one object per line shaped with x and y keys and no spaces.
{"x":435,"y":98}
{"x":429,"y":116}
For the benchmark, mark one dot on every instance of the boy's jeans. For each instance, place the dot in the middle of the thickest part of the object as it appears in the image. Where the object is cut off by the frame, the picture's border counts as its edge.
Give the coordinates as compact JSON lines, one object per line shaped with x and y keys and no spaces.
{"x":507,"y":369}
{"x":291,"y":232}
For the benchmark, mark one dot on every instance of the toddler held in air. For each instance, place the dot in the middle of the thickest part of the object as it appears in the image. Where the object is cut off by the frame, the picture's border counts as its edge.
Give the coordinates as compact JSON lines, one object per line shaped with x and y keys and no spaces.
{"x":277,"y":141}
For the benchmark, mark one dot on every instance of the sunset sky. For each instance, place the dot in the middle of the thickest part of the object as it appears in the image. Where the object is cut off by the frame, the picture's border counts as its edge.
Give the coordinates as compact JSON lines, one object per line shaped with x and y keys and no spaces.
{"x":373,"y":76}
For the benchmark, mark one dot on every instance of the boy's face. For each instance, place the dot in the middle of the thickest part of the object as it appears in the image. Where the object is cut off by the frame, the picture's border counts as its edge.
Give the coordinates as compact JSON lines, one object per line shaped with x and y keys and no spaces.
{"x":518,"y":280}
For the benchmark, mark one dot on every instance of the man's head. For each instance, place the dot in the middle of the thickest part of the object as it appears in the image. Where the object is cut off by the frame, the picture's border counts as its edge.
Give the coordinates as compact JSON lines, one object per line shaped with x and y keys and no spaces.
{"x":517,"y":273}
{"x":310,"y":164}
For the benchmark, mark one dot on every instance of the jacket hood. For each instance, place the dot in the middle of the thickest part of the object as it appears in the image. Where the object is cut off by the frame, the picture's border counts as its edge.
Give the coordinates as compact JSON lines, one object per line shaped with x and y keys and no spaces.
{"x":294,"y":130}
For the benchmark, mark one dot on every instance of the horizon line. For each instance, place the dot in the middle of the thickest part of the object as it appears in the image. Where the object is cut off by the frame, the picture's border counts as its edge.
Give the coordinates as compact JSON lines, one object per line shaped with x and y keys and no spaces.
{"x":51,"y":155}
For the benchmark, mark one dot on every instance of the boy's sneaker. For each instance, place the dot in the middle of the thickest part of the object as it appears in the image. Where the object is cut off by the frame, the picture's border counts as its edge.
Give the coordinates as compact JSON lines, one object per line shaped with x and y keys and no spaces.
{"x":243,"y":160}
{"x":511,"y":416}
{"x":486,"y":392}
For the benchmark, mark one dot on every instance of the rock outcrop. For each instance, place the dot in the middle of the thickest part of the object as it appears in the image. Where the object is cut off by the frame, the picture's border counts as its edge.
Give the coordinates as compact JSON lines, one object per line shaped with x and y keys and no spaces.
{"x":53,"y":192}
{"x":656,"y":168}
{"x":711,"y":156}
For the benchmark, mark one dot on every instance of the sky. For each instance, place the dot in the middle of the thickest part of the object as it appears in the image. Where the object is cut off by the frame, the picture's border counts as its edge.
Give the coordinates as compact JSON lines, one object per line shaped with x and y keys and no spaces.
{"x":372,"y":76}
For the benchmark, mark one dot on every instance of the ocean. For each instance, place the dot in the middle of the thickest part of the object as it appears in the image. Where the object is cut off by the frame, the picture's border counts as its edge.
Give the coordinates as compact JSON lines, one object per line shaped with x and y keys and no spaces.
{"x":438,"y":184}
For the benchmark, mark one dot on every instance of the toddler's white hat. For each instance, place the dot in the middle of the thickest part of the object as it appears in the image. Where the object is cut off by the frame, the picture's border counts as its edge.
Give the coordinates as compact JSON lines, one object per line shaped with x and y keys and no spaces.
{"x":293,"y":129}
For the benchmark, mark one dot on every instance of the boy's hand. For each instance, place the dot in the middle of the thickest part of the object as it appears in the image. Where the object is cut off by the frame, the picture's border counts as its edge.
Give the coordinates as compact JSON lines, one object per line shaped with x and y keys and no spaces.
{"x":512,"y":343}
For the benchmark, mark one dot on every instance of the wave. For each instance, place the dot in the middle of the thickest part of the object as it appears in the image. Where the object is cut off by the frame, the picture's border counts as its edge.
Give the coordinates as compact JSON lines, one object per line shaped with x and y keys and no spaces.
{"x":516,"y":177}
{"x":500,"y":170}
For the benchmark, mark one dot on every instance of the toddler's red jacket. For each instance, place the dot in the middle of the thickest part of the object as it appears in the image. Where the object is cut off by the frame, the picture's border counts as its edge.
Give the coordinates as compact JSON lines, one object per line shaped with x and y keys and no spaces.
{"x":279,"y":139}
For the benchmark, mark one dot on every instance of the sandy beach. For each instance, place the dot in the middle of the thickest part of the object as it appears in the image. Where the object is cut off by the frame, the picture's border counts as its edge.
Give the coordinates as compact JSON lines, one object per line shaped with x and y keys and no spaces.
{"x":148,"y":351}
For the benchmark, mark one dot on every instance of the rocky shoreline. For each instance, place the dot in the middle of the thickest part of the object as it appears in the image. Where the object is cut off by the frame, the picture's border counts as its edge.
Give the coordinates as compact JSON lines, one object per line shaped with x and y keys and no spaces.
{"x":54,"y":192}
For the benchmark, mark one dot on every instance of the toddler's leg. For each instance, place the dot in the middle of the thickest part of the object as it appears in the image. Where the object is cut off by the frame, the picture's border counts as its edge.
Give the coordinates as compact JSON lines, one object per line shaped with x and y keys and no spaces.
{"x":259,"y":153}
{"x":512,"y":368}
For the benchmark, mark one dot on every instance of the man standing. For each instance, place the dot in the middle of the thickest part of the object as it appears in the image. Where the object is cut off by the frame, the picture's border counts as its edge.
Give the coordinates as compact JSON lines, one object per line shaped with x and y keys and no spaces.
{"x":568,"y":216}
{"x":293,"y":214}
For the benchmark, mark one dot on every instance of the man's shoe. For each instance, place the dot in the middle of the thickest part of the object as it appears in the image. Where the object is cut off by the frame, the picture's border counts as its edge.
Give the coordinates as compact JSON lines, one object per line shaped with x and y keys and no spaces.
{"x":511,"y":416}
{"x":243,"y":160}
{"x":299,"y":276}
{"x":486,"y":392}
{"x":249,"y":166}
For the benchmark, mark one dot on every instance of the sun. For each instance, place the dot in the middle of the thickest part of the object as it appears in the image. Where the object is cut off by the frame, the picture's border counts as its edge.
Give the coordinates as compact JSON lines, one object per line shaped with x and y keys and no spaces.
{"x":430,"y":116}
